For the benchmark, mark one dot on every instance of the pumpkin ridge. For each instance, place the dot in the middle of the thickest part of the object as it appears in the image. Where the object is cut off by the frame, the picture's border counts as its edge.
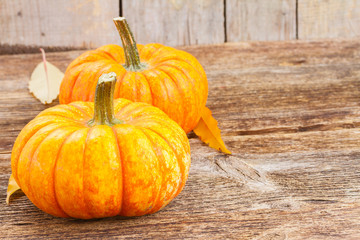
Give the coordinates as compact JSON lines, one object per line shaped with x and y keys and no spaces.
{"x":92,"y":189}
{"x":119,"y":79}
{"x":32,"y":161}
{"x":79,"y":210}
{"x":71,"y":89}
{"x":81,"y":59}
{"x":81,"y":123}
{"x":161,"y":62}
{"x":114,"y":67}
{"x":17,"y":159}
{"x":156,"y":71}
{"x":68,"y":94}
{"x":202,"y":73}
{"x":54,"y":171}
{"x":140,"y":48}
{"x":66,"y":111}
{"x":90,"y":91}
{"x":139,"y":84}
{"x":143,"y":91}
{"x":194,"y":88}
{"x":132,"y":76}
{"x":162,"y":182}
{"x":80,"y":109}
{"x":107,"y":53}
{"x":182,"y":178}
{"x":158,"y":46}
{"x":65,"y":107}
{"x":155,"y":56}
{"x":179,"y":69}
{"x":198,"y":68}
{"x":92,"y":88}
{"x":122,"y":108}
{"x":187,"y":99}
{"x":150,"y":90}
{"x":122,"y":170}
{"x":159,"y":120}
{"x":134,"y":119}
{"x":22,"y":149}
{"x":183,"y":138}
{"x":125,"y":114}
{"x":89,"y":72}
{"x":83,"y":183}
{"x":181,"y":93}
{"x":110,"y":48}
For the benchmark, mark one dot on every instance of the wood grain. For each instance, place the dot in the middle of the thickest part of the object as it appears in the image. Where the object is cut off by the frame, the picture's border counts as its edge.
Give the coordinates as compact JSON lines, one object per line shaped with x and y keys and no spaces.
{"x":176,"y":22}
{"x":260,"y":20}
{"x":328,"y":19}
{"x":290,"y":113}
{"x":81,"y":24}
{"x":76,"y":23}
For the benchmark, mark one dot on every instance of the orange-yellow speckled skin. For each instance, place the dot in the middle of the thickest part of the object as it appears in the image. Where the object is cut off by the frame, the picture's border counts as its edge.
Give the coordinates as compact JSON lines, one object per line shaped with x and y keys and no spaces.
{"x":69,"y":169}
{"x":173,"y":81}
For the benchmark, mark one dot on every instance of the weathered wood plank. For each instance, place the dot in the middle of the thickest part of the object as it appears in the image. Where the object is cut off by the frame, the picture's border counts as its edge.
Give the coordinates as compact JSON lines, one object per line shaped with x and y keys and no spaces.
{"x":258,"y":20}
{"x":328,"y":19}
{"x":176,"y":22}
{"x":76,"y":23}
{"x":290,"y":113}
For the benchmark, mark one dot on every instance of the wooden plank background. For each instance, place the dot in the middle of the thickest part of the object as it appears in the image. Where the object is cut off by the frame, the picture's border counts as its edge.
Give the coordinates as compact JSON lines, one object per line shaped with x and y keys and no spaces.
{"x":328,"y":19}
{"x":185,"y":22}
{"x":260,"y":20}
{"x":88,"y":23}
{"x":78,"y":23}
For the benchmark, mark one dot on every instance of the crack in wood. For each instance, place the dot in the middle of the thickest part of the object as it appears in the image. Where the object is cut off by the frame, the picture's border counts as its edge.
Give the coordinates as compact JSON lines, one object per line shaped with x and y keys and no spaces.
{"x":287,"y":130}
{"x":21,"y":49}
{"x":5,"y":152}
{"x":273,"y":236}
{"x":310,"y":128}
{"x":321,"y":201}
{"x":235,"y":168}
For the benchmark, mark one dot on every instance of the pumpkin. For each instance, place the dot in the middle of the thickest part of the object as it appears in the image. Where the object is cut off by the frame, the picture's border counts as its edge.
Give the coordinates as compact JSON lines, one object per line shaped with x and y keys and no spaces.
{"x":170,"y":79}
{"x":129,"y":159}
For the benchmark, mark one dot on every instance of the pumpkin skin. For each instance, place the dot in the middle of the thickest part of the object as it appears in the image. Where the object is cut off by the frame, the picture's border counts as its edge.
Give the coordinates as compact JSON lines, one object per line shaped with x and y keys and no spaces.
{"x":170,"y":79}
{"x":69,"y":169}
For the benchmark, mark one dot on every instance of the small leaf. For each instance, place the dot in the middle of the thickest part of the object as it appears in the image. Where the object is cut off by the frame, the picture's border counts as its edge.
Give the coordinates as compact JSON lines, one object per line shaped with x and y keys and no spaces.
{"x":12,"y":187}
{"x":45,"y":81}
{"x":209,"y":133}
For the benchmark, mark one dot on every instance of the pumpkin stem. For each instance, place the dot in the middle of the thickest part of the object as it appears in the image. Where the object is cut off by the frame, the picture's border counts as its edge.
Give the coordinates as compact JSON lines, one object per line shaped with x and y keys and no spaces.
{"x":132,"y":59}
{"x":104,"y":101}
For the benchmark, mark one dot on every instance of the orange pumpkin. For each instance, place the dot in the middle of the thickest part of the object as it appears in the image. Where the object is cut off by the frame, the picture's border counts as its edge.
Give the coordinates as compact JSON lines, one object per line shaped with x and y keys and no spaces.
{"x":169,"y":79}
{"x":130,"y":159}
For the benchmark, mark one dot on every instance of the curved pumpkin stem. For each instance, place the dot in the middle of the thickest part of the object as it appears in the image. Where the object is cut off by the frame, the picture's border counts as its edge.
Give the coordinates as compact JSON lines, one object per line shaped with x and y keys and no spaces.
{"x":132,"y":59}
{"x":104,"y":101}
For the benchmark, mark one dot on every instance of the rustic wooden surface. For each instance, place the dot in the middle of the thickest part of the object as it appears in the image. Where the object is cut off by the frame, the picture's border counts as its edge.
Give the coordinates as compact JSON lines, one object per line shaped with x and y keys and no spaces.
{"x":260,"y":20}
{"x":328,"y":19}
{"x":289,"y":112}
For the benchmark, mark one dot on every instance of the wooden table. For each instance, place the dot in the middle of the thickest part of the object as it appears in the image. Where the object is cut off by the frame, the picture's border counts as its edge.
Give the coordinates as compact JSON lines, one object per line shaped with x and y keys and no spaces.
{"x":289,"y":112}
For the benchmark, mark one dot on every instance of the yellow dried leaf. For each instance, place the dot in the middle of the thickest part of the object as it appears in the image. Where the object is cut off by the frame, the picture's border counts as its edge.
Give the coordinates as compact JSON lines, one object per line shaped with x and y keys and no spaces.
{"x":208,"y":131}
{"x":45,"y":81}
{"x":12,"y":188}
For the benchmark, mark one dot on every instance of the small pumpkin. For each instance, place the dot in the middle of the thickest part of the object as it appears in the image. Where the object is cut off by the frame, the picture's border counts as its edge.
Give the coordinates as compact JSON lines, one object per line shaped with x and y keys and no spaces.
{"x":170,"y":79}
{"x":129,"y":159}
